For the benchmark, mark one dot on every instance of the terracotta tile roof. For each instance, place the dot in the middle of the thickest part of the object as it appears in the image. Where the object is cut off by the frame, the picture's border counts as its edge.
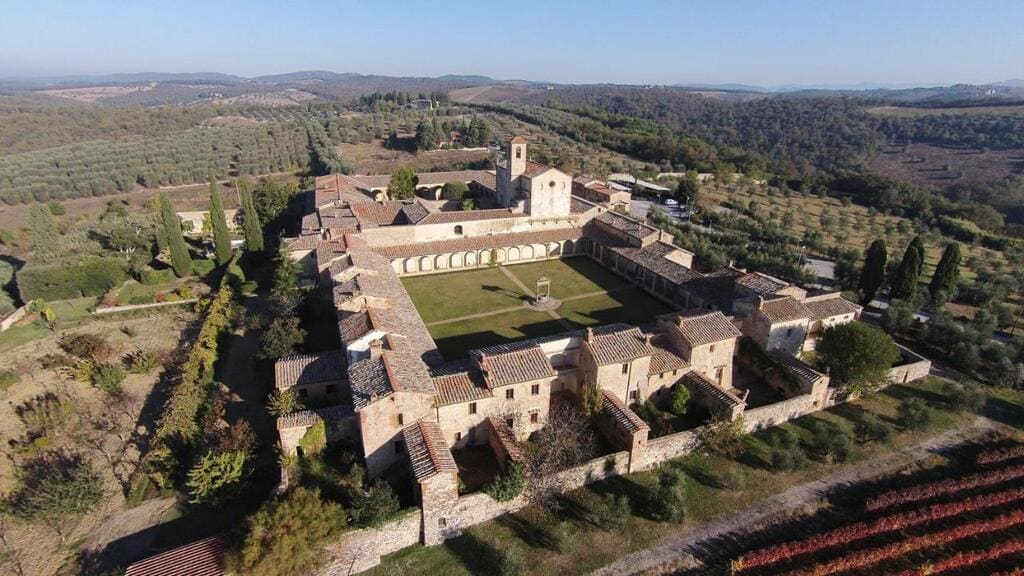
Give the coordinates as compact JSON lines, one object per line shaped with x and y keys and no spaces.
{"x":622,"y":416}
{"x":700,"y":327}
{"x":665,"y":359}
{"x":427,"y":450}
{"x":796,"y":368}
{"x":534,"y":169}
{"x":626,"y":225}
{"x":353,"y":325}
{"x":305,"y":418}
{"x":467,"y":216}
{"x":328,"y":250}
{"x":309,"y":368}
{"x":514,"y":367}
{"x":507,"y":439}
{"x":200,"y":558}
{"x":369,"y":380}
{"x":375,"y":181}
{"x":698,"y":382}
{"x":654,"y":258}
{"x":475,"y":243}
{"x":579,"y":205}
{"x":372,"y":214}
{"x":829,"y":306}
{"x":306,"y":242}
{"x":414,"y":212}
{"x":517,"y":139}
{"x":310,"y":223}
{"x":461,"y":387}
{"x":716,"y":288}
{"x":616,"y":343}
{"x":785,"y":309}
{"x":760,"y":283}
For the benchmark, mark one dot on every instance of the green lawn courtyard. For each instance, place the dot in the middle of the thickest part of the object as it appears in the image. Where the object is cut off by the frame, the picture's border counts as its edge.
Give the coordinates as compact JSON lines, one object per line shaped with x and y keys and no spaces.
{"x":477,"y":308}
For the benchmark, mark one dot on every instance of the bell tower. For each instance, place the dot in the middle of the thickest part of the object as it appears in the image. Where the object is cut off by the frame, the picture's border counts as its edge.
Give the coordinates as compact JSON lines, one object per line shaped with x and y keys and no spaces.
{"x":517,"y":156}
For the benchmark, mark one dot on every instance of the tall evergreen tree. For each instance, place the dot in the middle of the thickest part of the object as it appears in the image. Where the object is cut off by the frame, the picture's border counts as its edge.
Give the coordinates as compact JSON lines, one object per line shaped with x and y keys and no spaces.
{"x":251,"y":226}
{"x":947,"y":272}
{"x":221,"y":236}
{"x":46,"y":240}
{"x":904,"y":285}
{"x":873,"y":274}
{"x":180,"y":259}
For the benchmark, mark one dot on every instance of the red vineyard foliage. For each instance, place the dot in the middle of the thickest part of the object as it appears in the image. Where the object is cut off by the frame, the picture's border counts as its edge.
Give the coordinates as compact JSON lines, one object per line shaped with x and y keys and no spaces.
{"x":861,"y":530}
{"x":901,"y":548}
{"x":945,"y":487}
{"x":1001,"y":454}
{"x":963,"y":560}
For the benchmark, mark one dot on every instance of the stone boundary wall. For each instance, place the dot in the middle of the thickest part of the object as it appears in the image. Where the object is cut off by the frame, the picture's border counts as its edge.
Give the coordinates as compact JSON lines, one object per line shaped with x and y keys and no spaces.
{"x":361,"y":550}
{"x":668,"y":447}
{"x":13,"y":318}
{"x":779,"y":412}
{"x":917,"y":368}
{"x":130,"y":307}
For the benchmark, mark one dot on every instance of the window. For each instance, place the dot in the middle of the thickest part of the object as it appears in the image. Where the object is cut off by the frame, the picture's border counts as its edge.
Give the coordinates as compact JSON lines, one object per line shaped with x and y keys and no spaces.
{"x":472,"y":407}
{"x":719,"y":372}
{"x":712,"y":349}
{"x":625,"y":368}
{"x":401,"y":420}
{"x":329,"y":389}
{"x":634,"y":395}
{"x":303,"y":393}
{"x":534,"y":417}
{"x":442,"y":522}
{"x":510,"y":422}
{"x":510,"y":394}
{"x":458,"y":229}
{"x":519,"y":152}
{"x":458,"y":436}
{"x":398,"y":447}
{"x":675,"y":372}
{"x":789,"y":331}
{"x":535,"y":389}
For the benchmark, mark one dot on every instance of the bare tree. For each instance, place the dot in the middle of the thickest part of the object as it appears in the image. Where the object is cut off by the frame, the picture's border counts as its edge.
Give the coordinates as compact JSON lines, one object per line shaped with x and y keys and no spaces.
{"x":567,"y":439}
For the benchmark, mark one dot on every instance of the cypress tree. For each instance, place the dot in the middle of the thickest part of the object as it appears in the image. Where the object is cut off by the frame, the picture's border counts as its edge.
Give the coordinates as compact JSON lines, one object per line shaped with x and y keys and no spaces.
{"x":904,"y":286}
{"x":221,"y":237}
{"x":180,"y":260}
{"x":947,"y":272}
{"x":251,"y":226}
{"x":873,"y":274}
{"x":46,"y":240}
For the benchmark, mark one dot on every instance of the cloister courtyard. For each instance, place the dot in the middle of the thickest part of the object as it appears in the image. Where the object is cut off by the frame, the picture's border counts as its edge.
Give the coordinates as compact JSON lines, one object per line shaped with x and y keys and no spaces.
{"x":487,"y":306}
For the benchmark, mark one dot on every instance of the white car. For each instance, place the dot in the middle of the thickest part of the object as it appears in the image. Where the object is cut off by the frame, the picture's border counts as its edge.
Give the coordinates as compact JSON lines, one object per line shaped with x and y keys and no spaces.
{"x":671,"y":202}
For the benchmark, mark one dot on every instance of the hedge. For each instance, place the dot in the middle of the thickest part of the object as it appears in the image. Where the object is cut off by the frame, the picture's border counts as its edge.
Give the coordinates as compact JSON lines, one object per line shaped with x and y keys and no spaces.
{"x":93,"y":276}
{"x":203,"y":267}
{"x":150,"y":276}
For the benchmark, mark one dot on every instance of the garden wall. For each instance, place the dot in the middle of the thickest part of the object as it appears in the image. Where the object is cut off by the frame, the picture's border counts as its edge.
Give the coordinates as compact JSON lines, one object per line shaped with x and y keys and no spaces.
{"x":361,"y":550}
{"x":915,"y":367}
{"x":779,"y":412}
{"x":668,"y":447}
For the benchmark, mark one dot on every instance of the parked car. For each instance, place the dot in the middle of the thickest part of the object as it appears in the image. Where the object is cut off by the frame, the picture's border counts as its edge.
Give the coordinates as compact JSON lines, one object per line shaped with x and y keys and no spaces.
{"x":671,"y":202}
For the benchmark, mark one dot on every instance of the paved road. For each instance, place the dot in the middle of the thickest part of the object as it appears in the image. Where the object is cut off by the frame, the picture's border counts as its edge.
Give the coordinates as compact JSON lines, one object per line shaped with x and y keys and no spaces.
{"x":680,"y":551}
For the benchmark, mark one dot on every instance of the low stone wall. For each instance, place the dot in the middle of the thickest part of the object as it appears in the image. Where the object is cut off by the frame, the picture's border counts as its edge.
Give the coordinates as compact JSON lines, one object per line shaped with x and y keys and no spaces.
{"x":779,"y":412}
{"x":916,"y":367}
{"x":12,"y":318}
{"x":130,"y":307}
{"x":361,"y":550}
{"x":669,"y":447}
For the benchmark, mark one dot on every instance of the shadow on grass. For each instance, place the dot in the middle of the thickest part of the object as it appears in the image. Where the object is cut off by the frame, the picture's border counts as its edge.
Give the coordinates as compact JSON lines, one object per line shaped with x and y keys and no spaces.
{"x":477,"y":556}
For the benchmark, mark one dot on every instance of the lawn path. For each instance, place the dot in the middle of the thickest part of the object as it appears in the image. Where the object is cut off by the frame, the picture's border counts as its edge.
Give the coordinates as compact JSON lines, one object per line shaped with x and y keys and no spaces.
{"x":679,"y":550}
{"x":523,"y":287}
{"x":520,"y":307}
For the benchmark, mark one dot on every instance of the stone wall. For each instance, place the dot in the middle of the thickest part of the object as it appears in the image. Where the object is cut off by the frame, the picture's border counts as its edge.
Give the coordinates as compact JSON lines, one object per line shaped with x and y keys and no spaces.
{"x":779,"y":412}
{"x":914,"y":367}
{"x":668,"y":447}
{"x":361,"y":550}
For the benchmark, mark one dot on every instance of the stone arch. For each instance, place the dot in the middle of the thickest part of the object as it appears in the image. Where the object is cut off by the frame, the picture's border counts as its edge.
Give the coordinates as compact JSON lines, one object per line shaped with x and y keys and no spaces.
{"x":470,"y":259}
{"x":455,"y":260}
{"x":426,"y":263}
{"x":554,"y":249}
{"x":569,"y":247}
{"x":409,"y":265}
{"x":440,"y":262}
{"x":527,"y":252}
{"x":513,"y":253}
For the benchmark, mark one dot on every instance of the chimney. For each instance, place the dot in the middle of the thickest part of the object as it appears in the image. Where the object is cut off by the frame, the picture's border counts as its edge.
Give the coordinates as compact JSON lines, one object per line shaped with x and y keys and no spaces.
{"x":590,"y":333}
{"x":376,"y":348}
{"x":647,"y":339}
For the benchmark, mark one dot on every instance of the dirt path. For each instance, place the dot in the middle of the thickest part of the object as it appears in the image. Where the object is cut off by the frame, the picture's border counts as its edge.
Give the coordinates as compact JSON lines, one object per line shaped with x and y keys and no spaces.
{"x":678,"y":550}
{"x":520,"y":307}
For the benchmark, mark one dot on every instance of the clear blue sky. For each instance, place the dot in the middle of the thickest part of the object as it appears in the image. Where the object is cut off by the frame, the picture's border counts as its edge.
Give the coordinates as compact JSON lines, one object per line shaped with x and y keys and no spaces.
{"x":766,"y":42}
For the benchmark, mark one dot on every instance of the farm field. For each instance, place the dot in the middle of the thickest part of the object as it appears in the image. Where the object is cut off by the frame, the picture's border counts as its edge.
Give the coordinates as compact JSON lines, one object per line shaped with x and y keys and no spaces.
{"x":490,"y":308}
{"x":926,"y":165}
{"x":573,"y":539}
{"x":906,"y":111}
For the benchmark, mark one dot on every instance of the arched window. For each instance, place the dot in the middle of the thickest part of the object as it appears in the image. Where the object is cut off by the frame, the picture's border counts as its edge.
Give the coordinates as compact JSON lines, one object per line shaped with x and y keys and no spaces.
{"x":458,"y":229}
{"x":519,"y":152}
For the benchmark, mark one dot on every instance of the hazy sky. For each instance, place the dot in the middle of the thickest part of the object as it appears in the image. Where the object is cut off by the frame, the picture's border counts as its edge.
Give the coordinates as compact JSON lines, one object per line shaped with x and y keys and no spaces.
{"x":766,"y":42}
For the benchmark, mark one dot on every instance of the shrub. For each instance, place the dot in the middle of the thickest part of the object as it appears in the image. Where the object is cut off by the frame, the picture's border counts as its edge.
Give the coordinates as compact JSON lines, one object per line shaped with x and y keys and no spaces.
{"x":787,"y":453}
{"x":85,"y":346}
{"x":725,"y":437}
{"x":376,"y":507}
{"x":613,"y":512}
{"x":914,"y":414}
{"x":858,"y":355}
{"x":54,"y":486}
{"x":53,"y":361}
{"x":92,"y":276}
{"x":8,"y":378}
{"x":216,"y":477}
{"x":510,"y":562}
{"x":669,"y":501}
{"x":964,"y":397}
{"x":287,"y":536}
{"x":680,"y":399}
{"x":248,"y":287}
{"x":202,"y":268}
{"x":509,"y":484}
{"x":149,"y":276}
{"x":831,"y":442}
{"x":108,"y":377}
{"x":315,"y":439}
{"x":43,"y":414}
{"x":454,"y":190}
{"x":281,"y":338}
{"x":733,"y":478}
{"x":871,"y":428}
{"x":282,"y":402}
{"x":141,"y":362}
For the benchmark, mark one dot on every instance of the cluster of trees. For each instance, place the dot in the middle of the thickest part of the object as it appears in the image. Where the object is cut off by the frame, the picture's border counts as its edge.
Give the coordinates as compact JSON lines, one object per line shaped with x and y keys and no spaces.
{"x":387,"y":101}
{"x":109,"y":167}
{"x":432,"y":134}
{"x":323,"y":157}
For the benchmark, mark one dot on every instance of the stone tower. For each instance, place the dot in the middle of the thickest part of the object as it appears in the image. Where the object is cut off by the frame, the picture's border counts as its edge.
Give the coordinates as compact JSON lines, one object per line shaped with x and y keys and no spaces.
{"x":517,"y":156}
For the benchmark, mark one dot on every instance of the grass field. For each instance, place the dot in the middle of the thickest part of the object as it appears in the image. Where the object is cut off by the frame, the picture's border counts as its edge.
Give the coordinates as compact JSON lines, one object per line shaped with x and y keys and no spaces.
{"x":574,"y":540}
{"x":472,"y":309}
